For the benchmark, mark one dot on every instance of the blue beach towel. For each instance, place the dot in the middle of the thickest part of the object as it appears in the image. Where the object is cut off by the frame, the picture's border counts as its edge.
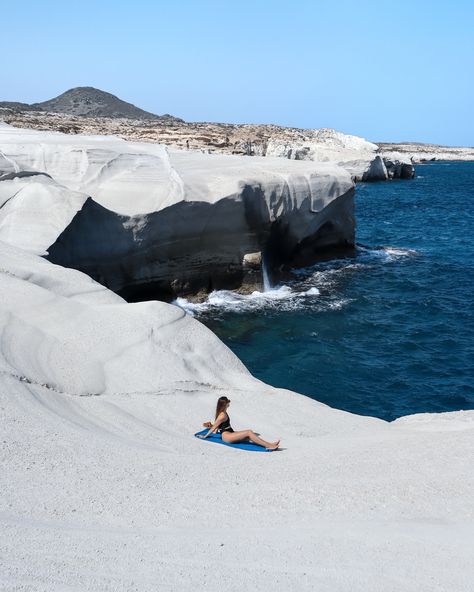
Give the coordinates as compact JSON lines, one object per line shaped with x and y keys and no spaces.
{"x":217,"y":439}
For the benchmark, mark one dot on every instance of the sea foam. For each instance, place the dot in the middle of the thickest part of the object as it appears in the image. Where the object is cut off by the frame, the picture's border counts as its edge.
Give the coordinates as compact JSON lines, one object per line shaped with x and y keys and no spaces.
{"x":304,"y":291}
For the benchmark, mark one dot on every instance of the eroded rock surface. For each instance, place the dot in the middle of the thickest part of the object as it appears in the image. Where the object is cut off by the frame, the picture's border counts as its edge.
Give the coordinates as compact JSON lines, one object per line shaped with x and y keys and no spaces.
{"x":148,"y":221}
{"x":99,"y":400}
{"x":358,"y":156}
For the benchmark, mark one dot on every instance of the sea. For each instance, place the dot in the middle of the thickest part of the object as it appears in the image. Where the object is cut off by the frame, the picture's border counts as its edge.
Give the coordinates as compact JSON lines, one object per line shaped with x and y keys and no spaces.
{"x":388,"y":332}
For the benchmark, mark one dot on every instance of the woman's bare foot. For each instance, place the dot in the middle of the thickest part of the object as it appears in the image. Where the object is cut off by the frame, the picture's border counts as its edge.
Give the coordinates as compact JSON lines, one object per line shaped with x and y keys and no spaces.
{"x":274,"y":445}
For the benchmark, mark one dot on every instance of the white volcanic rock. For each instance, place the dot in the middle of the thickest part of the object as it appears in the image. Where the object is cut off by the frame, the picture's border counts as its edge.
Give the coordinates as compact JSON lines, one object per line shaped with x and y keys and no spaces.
{"x":414,"y":152}
{"x":137,"y":178}
{"x":367,"y":170}
{"x":320,"y":145}
{"x":358,"y":156}
{"x":62,"y":336}
{"x":398,"y":166}
{"x":130,"y":178}
{"x":34,"y":210}
{"x":112,"y":492}
{"x":171,"y":222}
{"x":324,"y":145}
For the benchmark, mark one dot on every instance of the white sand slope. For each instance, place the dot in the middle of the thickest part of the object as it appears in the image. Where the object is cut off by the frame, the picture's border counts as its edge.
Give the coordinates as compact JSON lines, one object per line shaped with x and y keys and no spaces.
{"x":105,"y":488}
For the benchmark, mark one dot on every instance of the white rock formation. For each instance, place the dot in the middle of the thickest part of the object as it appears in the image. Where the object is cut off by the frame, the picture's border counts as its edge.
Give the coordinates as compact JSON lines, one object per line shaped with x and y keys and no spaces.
{"x":355,"y":154}
{"x":34,"y":210}
{"x":398,"y":165}
{"x":324,"y":145}
{"x":166,"y":221}
{"x":105,"y":488}
{"x":417,"y":153}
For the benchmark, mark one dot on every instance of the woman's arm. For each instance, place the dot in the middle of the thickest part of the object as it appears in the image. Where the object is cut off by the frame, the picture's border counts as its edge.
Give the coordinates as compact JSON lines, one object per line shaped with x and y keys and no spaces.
{"x":214,"y":427}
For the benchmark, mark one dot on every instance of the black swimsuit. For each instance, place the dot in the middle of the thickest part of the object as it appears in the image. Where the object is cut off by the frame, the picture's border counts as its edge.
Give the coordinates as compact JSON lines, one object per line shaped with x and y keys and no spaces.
{"x":225,"y":426}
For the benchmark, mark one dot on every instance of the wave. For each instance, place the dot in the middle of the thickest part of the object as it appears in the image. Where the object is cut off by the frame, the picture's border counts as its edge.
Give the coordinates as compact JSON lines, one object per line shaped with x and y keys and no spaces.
{"x":387,"y":253}
{"x":282,"y":298}
{"x":313,"y":287}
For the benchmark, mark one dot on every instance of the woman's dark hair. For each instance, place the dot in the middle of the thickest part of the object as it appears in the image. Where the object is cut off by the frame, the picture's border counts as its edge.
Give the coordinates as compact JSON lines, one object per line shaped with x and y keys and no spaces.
{"x":221,"y":405}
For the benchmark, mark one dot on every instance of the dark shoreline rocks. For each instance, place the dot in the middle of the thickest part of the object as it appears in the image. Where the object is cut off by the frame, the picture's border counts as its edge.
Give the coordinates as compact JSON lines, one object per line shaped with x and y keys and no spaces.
{"x":170,"y":256}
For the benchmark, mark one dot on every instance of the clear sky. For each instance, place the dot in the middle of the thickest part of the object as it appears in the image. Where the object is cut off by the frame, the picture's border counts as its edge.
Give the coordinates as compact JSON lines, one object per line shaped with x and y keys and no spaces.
{"x":387,"y":71}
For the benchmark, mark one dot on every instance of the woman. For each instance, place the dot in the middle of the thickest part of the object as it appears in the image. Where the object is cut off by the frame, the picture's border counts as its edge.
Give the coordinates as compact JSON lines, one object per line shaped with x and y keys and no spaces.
{"x":222,"y":426}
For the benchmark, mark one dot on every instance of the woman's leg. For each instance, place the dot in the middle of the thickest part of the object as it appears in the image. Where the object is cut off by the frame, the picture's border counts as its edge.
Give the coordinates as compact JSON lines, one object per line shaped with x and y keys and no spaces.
{"x":248,"y":434}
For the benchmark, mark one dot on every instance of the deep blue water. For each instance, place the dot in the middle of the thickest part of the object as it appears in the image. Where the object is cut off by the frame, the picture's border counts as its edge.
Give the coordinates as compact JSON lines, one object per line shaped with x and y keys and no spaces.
{"x":391,"y":331}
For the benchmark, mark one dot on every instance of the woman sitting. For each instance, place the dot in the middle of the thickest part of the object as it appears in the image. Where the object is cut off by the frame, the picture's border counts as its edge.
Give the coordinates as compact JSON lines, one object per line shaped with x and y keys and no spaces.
{"x":222,"y":426}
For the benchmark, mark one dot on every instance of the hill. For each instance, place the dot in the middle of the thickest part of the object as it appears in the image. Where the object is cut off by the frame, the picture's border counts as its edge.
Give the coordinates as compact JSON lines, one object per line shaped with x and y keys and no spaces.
{"x":86,"y":101}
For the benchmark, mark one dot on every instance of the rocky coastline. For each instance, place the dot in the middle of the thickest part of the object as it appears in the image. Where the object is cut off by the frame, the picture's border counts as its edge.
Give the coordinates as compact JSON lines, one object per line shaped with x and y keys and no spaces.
{"x":364,"y":160}
{"x":419,"y":153}
{"x":154,"y":207}
{"x":103,"y":485}
{"x":148,"y":221}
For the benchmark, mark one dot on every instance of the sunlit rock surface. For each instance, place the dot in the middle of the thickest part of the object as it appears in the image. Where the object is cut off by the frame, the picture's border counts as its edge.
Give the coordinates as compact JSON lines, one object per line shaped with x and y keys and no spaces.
{"x":358,"y":156}
{"x":34,"y":209}
{"x":105,"y":488}
{"x":355,"y":154}
{"x":149,"y":221}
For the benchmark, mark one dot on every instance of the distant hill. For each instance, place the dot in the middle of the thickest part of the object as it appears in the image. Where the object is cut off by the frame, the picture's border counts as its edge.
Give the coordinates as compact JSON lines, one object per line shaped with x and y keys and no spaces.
{"x":16,"y":106}
{"x":86,"y":101}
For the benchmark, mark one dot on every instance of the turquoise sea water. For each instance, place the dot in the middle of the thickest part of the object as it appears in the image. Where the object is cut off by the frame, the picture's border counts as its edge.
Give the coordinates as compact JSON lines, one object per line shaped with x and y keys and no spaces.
{"x":387,"y":333}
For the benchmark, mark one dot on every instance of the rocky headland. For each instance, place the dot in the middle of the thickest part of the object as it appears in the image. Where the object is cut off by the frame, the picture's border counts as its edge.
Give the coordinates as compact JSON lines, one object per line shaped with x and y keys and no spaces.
{"x":149,"y":221}
{"x":152,"y":206}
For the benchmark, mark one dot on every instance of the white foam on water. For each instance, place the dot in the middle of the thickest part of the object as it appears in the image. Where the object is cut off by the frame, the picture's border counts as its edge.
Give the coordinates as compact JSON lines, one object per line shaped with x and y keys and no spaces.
{"x":394,"y":252}
{"x":326,"y":276}
{"x":282,"y":297}
{"x":304,"y":292}
{"x":387,"y":254}
{"x":338,"y":304}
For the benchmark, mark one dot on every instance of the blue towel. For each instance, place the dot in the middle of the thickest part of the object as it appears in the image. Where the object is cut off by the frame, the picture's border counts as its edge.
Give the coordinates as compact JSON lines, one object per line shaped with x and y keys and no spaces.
{"x":217,"y":439}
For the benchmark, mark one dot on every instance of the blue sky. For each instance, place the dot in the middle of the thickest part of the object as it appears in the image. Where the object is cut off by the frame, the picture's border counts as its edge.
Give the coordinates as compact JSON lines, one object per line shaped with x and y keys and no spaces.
{"x":388,"y":71}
